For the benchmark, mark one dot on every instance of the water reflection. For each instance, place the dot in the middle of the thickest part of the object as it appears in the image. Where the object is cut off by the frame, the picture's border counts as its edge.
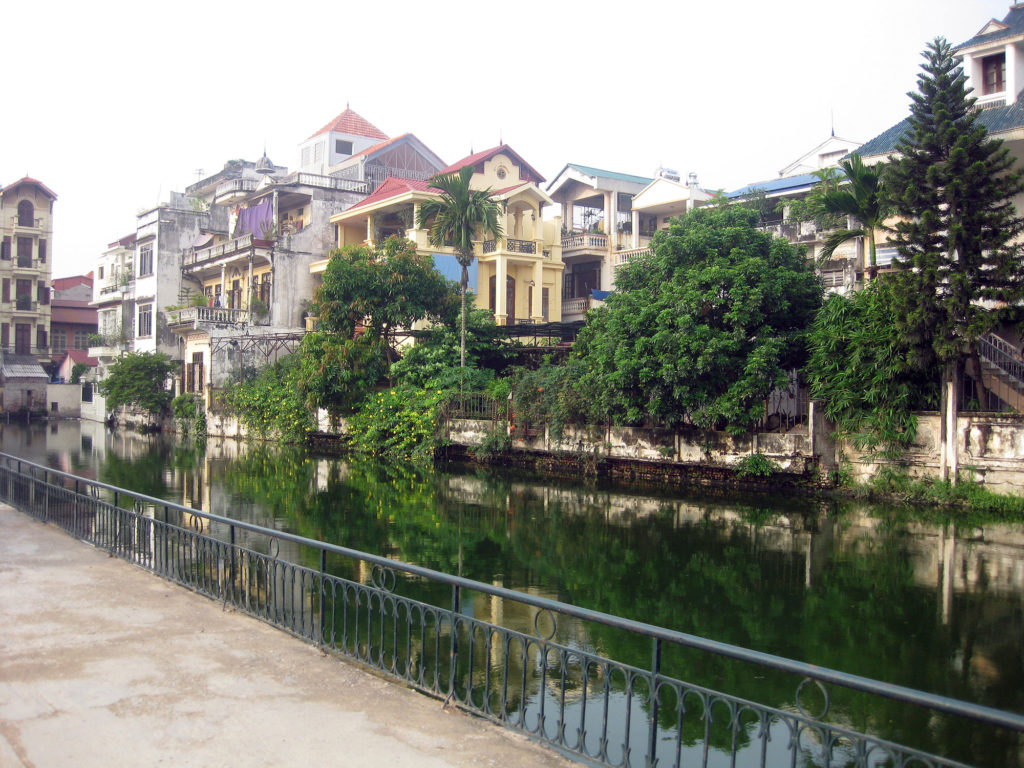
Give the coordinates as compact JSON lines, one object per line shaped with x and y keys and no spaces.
{"x":858,"y":588}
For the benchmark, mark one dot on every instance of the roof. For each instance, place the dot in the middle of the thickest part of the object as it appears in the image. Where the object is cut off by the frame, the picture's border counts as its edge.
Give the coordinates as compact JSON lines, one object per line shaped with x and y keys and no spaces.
{"x":1011,"y":26}
{"x":602,"y":174}
{"x":29,"y":180}
{"x":71,"y":315}
{"x":349,"y":122}
{"x":21,"y":367}
{"x":125,"y":241}
{"x":63,"y":283}
{"x":392,"y":186}
{"x":478,"y":159}
{"x":995,"y":119}
{"x":784,"y":184}
{"x":80,"y":356}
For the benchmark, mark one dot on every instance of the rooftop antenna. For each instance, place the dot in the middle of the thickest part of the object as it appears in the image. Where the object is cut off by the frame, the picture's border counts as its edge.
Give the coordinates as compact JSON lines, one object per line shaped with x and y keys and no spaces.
{"x":199,"y":173}
{"x":832,"y":112}
{"x":501,"y":140}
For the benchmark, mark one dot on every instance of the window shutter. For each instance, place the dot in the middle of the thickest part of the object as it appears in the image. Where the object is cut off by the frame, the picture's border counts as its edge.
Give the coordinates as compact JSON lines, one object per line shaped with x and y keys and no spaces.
{"x":5,"y":290}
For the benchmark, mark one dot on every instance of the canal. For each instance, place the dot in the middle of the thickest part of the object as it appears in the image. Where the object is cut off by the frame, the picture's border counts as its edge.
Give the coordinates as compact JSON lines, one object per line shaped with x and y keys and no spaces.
{"x":890,"y":593}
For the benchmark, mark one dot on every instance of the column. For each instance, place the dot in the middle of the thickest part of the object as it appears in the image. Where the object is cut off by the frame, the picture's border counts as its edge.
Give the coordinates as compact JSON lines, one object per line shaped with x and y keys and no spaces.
{"x":415,"y":219}
{"x":248,"y":286}
{"x":369,"y":228}
{"x":636,"y":229}
{"x":500,"y":289}
{"x":224,"y":285}
{"x":536,"y":308}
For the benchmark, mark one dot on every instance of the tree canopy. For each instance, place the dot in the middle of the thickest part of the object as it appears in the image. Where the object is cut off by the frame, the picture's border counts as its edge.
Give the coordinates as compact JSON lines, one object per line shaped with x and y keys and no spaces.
{"x":383,"y":288}
{"x":702,"y":328}
{"x":140,"y":380}
{"x":960,"y":269}
{"x":454,"y":219}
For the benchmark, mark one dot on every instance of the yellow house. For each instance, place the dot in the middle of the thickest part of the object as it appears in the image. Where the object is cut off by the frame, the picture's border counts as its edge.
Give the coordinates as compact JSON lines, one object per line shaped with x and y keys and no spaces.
{"x":526,"y":261}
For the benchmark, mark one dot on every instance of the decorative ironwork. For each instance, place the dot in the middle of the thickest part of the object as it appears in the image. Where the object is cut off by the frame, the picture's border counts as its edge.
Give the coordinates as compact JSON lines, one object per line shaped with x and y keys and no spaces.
{"x":555,"y":686}
{"x":520,"y":246}
{"x":490,"y":246}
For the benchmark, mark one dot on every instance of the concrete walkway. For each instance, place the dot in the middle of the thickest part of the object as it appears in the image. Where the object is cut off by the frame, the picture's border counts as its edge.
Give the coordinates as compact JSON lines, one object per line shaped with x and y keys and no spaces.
{"x":104,"y":664}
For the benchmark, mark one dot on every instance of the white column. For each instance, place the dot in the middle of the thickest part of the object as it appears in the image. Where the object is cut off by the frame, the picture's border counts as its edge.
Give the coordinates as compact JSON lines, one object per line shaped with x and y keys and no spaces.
{"x":636,"y":229}
{"x":369,"y":228}
{"x":537,"y":309}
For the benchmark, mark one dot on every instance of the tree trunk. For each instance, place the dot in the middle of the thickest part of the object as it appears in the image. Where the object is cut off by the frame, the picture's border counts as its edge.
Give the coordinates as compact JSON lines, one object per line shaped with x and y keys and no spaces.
{"x":462,"y":342}
{"x":977,"y":375}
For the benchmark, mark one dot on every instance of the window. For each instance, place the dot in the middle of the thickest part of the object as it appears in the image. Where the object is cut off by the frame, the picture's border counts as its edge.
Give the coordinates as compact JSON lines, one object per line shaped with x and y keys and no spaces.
{"x":22,"y":339}
{"x":5,"y":290}
{"x":5,"y":249}
{"x":23,"y":294}
{"x":41,"y":336}
{"x":26,"y":214}
{"x":993,"y":74}
{"x":42,"y":251}
{"x":101,"y":273}
{"x":305,"y":157}
{"x":24,"y":251}
{"x":145,"y":259}
{"x":145,"y":320}
{"x":342,"y":147}
{"x":60,"y":340}
{"x":5,"y":335}
{"x":81,"y":340}
{"x":42,"y":292}
{"x":318,"y":152}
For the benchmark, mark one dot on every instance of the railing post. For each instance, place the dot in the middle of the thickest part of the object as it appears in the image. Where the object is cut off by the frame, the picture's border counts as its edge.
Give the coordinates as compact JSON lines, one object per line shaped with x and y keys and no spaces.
{"x":454,"y":657}
{"x":231,"y":564}
{"x":46,"y":495}
{"x":323,"y":595}
{"x":652,"y":743}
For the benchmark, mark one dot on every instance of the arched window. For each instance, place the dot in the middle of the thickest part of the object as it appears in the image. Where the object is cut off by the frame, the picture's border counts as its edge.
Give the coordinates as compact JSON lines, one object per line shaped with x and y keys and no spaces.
{"x":26,"y":214}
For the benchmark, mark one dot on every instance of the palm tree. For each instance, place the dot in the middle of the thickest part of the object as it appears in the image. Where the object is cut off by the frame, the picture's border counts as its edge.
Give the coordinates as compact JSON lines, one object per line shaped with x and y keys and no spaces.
{"x":454,"y":219}
{"x":861,"y":198}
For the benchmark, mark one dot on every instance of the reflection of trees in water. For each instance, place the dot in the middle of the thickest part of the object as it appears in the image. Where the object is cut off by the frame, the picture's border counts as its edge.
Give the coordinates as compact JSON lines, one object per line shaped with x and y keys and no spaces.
{"x":704,"y":568}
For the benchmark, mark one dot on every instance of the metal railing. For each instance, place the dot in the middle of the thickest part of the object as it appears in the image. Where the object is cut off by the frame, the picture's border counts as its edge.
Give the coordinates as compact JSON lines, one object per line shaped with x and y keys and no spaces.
{"x":513,"y":245}
{"x":473,"y":406}
{"x":552,"y":682}
{"x":1004,"y":356}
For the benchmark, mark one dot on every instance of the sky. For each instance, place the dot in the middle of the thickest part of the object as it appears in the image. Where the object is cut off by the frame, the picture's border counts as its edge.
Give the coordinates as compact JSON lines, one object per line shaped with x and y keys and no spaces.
{"x":114,"y":104}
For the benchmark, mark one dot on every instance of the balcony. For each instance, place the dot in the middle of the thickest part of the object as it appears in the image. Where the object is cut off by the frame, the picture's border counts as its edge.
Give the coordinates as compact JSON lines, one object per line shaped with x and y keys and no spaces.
{"x":512,"y":245}
{"x":234,"y":189}
{"x":25,"y":304}
{"x":327,"y":182}
{"x":195,"y":259}
{"x":624,"y":257}
{"x":20,"y":224}
{"x":577,"y":306}
{"x":196,"y":317}
{"x":583,"y":242}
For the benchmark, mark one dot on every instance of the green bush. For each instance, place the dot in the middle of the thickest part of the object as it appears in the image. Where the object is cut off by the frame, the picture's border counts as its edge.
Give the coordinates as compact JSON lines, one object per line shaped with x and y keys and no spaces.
{"x":272,"y":404}
{"x":756,"y":465}
{"x":400,"y":423}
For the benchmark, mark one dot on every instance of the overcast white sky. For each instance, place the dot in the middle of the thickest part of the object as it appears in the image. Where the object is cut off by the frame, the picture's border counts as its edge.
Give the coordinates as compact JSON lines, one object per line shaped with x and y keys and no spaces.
{"x":112,"y":105}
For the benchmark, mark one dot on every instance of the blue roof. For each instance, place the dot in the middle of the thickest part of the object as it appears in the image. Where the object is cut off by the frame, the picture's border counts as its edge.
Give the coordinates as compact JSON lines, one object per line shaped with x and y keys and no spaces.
{"x":1014,"y":22}
{"x":779,"y":185}
{"x":995,"y":119}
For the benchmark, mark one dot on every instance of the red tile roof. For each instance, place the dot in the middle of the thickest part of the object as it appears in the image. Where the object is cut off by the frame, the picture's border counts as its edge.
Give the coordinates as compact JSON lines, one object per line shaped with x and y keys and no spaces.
{"x":392,"y":187}
{"x":28,"y":180}
{"x":349,"y":122}
{"x":63,"y":283}
{"x":477,"y":161}
{"x":81,"y":356}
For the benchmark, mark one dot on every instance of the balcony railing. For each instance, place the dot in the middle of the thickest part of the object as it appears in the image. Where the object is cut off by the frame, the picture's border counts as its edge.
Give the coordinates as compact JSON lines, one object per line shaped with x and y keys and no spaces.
{"x":214,"y":315}
{"x":490,"y":246}
{"x":25,"y":304}
{"x":576,"y":306}
{"x":520,"y":246}
{"x":582,"y":240}
{"x":328,"y":182}
{"x":19,"y":222}
{"x":236,"y":185}
{"x":622,"y":257}
{"x":194,"y":257}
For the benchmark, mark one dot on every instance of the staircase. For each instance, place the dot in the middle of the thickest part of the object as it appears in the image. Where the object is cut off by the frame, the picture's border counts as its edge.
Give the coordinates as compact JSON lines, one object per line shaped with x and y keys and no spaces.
{"x":1002,"y":370}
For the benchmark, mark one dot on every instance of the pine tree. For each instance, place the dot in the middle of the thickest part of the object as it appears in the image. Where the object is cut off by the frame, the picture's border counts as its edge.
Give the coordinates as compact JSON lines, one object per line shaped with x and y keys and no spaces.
{"x":952,"y":186}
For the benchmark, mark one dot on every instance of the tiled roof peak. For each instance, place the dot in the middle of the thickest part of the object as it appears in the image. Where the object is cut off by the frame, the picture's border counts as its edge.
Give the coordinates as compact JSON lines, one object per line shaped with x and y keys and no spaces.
{"x":352,"y":123}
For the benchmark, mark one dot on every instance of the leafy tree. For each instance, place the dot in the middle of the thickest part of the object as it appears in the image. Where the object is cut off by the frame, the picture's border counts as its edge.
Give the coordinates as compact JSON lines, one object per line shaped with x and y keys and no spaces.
{"x":454,"y":219}
{"x":140,"y":380}
{"x":960,"y":272}
{"x":702,"y":328}
{"x":337,"y":373}
{"x":77,"y":371}
{"x":860,"y":197}
{"x":858,"y":369}
{"x":385,"y":288}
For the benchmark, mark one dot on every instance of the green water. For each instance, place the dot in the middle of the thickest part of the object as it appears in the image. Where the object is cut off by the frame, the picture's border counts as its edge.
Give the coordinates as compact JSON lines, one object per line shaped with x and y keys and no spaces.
{"x":866,"y":590}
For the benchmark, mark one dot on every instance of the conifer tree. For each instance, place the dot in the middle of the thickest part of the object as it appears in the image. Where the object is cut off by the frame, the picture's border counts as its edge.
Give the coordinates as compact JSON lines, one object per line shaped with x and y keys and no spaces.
{"x":952,"y":186}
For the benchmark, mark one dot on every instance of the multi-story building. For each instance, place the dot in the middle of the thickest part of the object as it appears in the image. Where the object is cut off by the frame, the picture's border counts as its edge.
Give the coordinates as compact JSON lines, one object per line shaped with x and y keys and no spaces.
{"x":517,"y":276}
{"x":73,"y":318}
{"x":26,"y":229}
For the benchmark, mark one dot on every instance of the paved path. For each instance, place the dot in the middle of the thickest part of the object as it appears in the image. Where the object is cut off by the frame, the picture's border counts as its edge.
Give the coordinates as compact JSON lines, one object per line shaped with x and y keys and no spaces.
{"x":104,"y":664}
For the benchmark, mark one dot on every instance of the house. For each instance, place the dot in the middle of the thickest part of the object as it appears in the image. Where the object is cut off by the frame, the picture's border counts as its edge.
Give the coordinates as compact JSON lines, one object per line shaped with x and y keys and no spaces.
{"x":22,"y":383}
{"x":26,"y":232}
{"x":66,"y":364}
{"x":526,"y":262}
{"x":845,"y":270}
{"x":598,"y":228}
{"x":73,"y":319}
{"x":246,"y":290}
